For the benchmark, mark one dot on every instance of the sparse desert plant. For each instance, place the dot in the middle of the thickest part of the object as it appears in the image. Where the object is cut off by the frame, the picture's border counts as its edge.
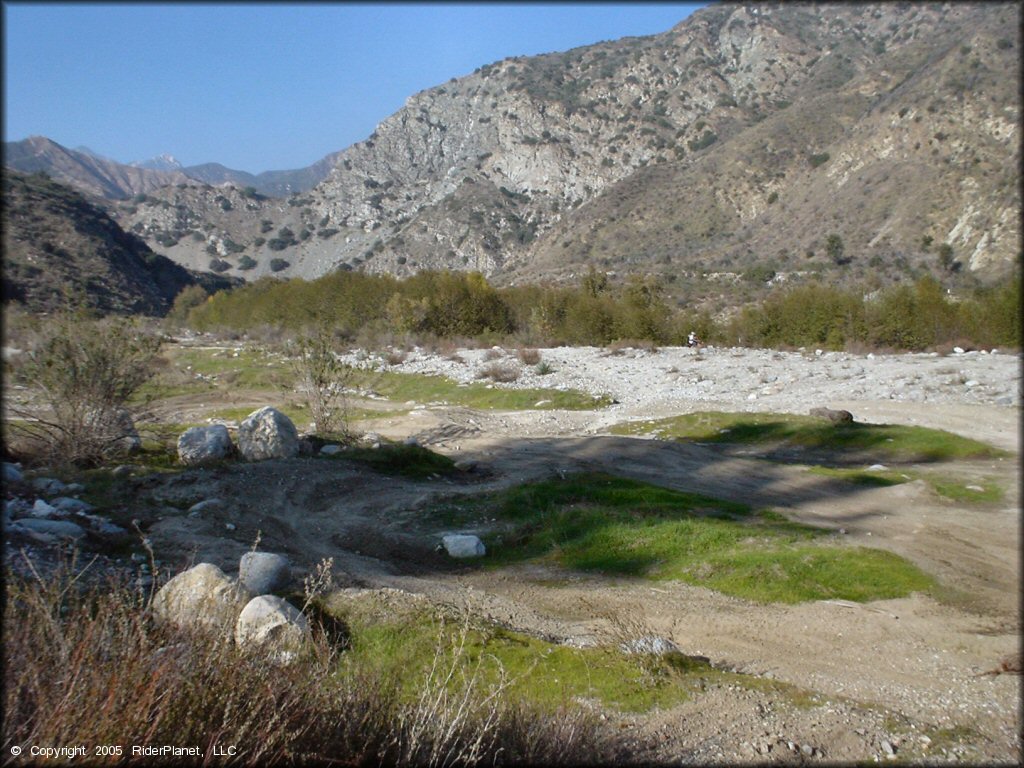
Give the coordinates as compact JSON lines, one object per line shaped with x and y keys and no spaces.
{"x":493,"y":354}
{"x":85,"y":372}
{"x":543,"y":368}
{"x":528,"y":356}
{"x":395,"y":356}
{"x":322,"y":377}
{"x":500,"y":372}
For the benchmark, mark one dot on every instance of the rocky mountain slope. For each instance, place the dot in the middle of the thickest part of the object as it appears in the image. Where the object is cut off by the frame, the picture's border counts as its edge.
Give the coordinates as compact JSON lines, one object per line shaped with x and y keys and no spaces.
{"x":58,"y":246}
{"x":842,"y":140}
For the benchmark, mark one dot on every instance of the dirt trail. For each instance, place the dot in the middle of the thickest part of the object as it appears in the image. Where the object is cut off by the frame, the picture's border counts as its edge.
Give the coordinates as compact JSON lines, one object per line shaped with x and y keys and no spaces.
{"x":887,"y":675}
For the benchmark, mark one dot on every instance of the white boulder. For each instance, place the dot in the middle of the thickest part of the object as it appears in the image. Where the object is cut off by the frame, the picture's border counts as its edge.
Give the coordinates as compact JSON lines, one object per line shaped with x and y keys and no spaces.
{"x":267,"y":434}
{"x":202,"y":597}
{"x":200,"y":445}
{"x":463,"y":545}
{"x":274,"y":625}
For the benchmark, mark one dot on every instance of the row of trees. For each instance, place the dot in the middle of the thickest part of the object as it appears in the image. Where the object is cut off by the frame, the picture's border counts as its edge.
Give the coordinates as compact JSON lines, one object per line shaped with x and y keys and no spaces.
{"x":454,"y":304}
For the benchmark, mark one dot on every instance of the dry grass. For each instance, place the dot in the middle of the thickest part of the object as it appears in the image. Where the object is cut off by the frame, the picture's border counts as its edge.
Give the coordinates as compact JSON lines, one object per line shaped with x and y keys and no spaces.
{"x":528,"y":356}
{"x":500,"y":372}
{"x":88,"y":666}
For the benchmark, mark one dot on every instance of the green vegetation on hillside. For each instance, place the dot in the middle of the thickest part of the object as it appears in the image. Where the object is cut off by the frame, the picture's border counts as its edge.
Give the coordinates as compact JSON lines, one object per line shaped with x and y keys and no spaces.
{"x":448,"y":305}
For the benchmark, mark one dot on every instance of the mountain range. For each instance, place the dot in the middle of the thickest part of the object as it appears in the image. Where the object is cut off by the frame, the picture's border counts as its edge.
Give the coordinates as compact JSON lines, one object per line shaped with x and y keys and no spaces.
{"x":844,"y":141}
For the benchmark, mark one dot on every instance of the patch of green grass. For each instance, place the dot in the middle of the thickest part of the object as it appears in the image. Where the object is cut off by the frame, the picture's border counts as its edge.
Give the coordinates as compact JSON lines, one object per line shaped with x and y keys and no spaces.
{"x":882,"y":441}
{"x":967,"y":491}
{"x":872,"y":478}
{"x":405,"y":643}
{"x":426,"y":389}
{"x":610,"y":525}
{"x":412,"y":461}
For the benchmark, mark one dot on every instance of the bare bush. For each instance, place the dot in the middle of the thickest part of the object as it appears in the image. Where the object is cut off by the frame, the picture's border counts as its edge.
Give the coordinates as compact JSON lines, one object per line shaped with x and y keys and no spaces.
{"x":501,"y":372}
{"x":87,"y":665}
{"x":493,"y":354}
{"x":395,"y":356}
{"x":322,"y":378}
{"x":528,"y":356}
{"x":83,"y":373}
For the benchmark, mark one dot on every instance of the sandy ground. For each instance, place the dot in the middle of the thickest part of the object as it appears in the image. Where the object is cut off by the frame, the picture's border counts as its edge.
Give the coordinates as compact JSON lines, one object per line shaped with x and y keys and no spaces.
{"x":901,"y":677}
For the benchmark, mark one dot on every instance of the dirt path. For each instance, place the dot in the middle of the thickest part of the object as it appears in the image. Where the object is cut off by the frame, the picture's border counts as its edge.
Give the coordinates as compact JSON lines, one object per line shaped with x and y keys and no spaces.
{"x":899,"y":676}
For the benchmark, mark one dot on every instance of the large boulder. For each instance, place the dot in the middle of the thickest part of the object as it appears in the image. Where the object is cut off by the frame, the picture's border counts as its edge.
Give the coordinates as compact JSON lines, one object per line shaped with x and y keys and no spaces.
{"x":463,"y":545}
{"x":274,"y":625}
{"x":833,"y":415}
{"x":267,"y":434}
{"x":202,"y":597}
{"x":263,"y":572}
{"x":202,"y":445}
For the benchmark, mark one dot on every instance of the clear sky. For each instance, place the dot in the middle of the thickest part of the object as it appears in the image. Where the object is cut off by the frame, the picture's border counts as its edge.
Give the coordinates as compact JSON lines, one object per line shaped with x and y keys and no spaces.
{"x":261,"y":87}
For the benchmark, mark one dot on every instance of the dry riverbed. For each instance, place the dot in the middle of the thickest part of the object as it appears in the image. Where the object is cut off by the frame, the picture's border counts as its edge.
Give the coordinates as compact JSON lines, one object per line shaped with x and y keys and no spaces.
{"x":900,"y":678}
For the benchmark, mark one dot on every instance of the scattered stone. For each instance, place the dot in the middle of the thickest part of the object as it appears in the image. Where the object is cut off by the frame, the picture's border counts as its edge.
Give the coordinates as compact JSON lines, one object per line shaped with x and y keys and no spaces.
{"x":50,"y":486}
{"x":123,"y":470}
{"x":888,"y":748}
{"x":658,"y":646}
{"x":62,"y":529}
{"x":274,"y":624}
{"x":43,"y":510}
{"x":267,"y":434}
{"x":330,"y":450}
{"x":204,"y":506}
{"x":463,"y":545}
{"x":12,"y":473}
{"x":201,"y":597}
{"x":877,"y":468}
{"x":411,"y":441}
{"x":807,"y":750}
{"x":263,"y":572}
{"x":373,"y":439}
{"x":72,"y":506}
{"x":466,"y":465}
{"x":976,"y":488}
{"x":972,"y":383}
{"x":833,"y":415}
{"x":230,"y":526}
{"x":202,"y":445}
{"x":958,"y":350}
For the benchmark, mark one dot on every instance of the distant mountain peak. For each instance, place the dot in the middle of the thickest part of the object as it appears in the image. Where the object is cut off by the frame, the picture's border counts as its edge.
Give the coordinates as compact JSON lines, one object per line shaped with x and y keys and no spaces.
{"x":164,"y":162}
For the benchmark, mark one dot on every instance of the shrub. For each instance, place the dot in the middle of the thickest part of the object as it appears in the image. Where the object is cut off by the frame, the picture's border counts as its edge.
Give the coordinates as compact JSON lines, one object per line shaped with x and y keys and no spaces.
{"x":276,"y":265}
{"x":322,"y":377}
{"x":85,"y":372}
{"x":500,"y":372}
{"x":219,"y":265}
{"x":247,"y":262}
{"x":819,"y":159}
{"x":528,"y":356}
{"x":189,"y":297}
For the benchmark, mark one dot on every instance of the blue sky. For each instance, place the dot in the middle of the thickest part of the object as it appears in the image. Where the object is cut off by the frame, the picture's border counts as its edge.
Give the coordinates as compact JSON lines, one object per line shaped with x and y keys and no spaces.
{"x":265,"y":86}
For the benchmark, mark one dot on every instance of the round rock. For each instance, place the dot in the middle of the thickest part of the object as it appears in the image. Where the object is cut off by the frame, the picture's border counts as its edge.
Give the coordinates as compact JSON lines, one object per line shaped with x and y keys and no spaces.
{"x":200,"y":445}
{"x":274,"y":624}
{"x":267,"y":434}
{"x":463,"y":545}
{"x":202,"y":597}
{"x":263,"y":572}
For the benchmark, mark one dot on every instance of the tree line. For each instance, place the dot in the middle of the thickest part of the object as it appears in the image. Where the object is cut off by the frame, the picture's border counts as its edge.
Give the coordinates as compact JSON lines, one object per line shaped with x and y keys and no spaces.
{"x":464,"y":305}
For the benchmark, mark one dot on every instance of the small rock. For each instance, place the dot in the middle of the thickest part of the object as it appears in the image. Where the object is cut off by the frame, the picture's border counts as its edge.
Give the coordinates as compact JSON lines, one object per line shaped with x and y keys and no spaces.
{"x":466,"y":465}
{"x":62,"y":529}
{"x":204,"y":506}
{"x":123,"y":470}
{"x":330,"y":450}
{"x":411,"y":441}
{"x":972,"y":383}
{"x":43,"y":510}
{"x":888,"y":748}
{"x":659,"y":646}
{"x":230,"y":526}
{"x":48,"y":485}
{"x":877,"y":468}
{"x":72,"y":506}
{"x":976,"y":488}
{"x":834,"y":415}
{"x":463,"y":545}
{"x":807,"y":749}
{"x":12,"y":473}
{"x":103,"y":526}
{"x":958,"y":350}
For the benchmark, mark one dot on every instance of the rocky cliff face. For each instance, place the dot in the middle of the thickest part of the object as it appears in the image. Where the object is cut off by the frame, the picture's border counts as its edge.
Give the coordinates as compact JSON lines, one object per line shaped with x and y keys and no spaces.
{"x":747,"y":135}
